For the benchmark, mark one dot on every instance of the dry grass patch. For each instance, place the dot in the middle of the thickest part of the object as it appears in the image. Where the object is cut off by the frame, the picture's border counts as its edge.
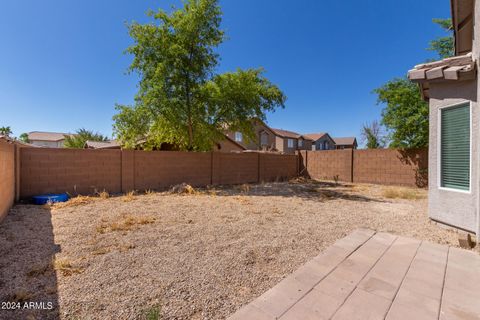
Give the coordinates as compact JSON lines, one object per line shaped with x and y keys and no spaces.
{"x":128,"y":197}
{"x":403,"y":193}
{"x":66,"y":267}
{"x":126,"y":223}
{"x":183,"y":188}
{"x":103,"y":195}
{"x":74,"y":202}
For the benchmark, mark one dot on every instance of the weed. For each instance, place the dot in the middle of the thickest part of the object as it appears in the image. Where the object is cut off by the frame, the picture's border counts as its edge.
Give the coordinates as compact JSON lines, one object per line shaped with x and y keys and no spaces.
{"x":73,"y":202}
{"x":183,"y":188}
{"x":21,"y":295}
{"x":127,"y":223}
{"x":66,"y":267}
{"x":39,"y":269}
{"x":103,"y":195}
{"x":128,"y":197}
{"x":100,"y":251}
{"x":153,"y":313}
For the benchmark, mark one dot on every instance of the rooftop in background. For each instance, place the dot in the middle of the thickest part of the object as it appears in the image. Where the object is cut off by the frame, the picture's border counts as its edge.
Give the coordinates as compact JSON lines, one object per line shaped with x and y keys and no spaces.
{"x":47,"y":136}
{"x":113,"y":144}
{"x":345,"y":141}
{"x":315,"y":136}
{"x":288,"y":134}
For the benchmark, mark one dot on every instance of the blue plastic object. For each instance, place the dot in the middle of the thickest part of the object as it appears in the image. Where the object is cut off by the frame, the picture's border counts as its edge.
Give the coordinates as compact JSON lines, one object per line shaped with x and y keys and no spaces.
{"x":50,"y":198}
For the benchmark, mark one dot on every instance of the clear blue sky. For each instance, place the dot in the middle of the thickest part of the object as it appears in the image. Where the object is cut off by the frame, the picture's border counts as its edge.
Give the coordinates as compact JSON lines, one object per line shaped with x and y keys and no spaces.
{"x":62,"y":65}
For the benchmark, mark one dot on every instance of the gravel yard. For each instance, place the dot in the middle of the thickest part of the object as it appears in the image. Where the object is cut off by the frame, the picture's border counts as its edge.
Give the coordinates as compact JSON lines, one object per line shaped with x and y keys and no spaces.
{"x":187,"y":256}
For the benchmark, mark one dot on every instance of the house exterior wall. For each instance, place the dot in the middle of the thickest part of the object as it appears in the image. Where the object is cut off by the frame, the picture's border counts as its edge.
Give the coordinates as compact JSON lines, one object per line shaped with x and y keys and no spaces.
{"x":255,"y":145}
{"x":288,"y":150}
{"x":318,"y":144}
{"x":455,"y":208}
{"x":227,"y":146}
{"x":48,"y":144}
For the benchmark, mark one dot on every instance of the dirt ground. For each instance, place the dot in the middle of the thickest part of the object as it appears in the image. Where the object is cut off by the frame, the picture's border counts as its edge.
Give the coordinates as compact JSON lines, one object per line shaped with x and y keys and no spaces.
{"x":194,"y":256}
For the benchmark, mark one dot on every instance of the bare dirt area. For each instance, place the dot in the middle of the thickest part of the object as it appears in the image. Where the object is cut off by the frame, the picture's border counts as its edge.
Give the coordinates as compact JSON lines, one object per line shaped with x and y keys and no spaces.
{"x":199,"y":255}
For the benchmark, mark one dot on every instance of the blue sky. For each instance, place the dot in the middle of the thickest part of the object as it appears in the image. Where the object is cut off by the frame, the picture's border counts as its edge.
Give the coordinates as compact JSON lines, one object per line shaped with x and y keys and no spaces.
{"x":62,"y":65}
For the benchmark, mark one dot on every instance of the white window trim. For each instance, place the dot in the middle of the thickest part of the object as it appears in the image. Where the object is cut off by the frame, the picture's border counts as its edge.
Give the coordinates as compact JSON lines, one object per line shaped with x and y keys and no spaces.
{"x":238,"y":134}
{"x":439,"y":144}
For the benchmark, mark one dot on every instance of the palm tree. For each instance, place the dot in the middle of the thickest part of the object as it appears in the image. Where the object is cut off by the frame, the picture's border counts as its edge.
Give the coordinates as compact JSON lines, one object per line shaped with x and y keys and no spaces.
{"x":77,"y":140}
{"x":5,"y":131}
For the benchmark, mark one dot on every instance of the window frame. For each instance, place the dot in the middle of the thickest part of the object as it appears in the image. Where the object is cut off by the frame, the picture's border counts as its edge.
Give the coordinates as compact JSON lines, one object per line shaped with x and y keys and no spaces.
{"x":238,"y":134}
{"x":288,"y":143}
{"x":439,"y":144}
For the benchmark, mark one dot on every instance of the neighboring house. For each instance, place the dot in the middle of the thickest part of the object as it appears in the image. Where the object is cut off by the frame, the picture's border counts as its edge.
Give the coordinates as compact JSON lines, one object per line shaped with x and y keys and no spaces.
{"x":321,"y":141}
{"x":289,"y":141}
{"x":229,"y":145}
{"x":451,"y":87}
{"x":271,"y":139}
{"x":346,"y":143}
{"x":264,"y":138}
{"x":47,"y":139}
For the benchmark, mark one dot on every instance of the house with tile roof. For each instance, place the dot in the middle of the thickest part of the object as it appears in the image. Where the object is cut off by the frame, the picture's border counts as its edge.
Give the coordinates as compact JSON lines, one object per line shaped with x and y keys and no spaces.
{"x":321,"y":141}
{"x":47,"y":139}
{"x":451,"y":88}
{"x":346,"y":143}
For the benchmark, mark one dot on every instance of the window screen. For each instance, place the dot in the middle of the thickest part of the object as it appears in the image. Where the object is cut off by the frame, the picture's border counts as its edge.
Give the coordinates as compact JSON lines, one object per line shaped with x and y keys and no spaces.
{"x":455,"y":147}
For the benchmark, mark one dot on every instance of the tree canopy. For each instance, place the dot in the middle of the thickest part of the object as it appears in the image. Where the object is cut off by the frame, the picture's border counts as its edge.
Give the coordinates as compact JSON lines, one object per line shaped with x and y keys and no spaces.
{"x":181,"y":100}
{"x":372,"y":135}
{"x":405,"y":113}
{"x":24,"y":137}
{"x":444,"y":46}
{"x":77,"y":140}
{"x":6,"y":131}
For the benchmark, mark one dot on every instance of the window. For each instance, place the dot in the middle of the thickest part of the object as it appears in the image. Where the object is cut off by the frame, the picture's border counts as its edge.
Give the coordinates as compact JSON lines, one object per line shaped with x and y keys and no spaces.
{"x":326,"y":147}
{"x":455,"y":147}
{"x":290,"y":143}
{"x":264,"y":138}
{"x":300,"y":143}
{"x":238,"y":136}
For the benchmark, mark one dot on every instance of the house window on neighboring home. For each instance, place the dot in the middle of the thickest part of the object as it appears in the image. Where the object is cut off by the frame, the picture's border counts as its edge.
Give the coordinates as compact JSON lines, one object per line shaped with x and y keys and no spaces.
{"x":455,"y":147}
{"x":238,"y":136}
{"x":264,"y":139}
{"x":290,"y":143}
{"x":300,"y":143}
{"x":325,"y":147}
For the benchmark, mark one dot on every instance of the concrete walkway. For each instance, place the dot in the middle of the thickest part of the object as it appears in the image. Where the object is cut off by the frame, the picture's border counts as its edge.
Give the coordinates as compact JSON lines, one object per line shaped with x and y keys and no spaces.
{"x":370,"y":275}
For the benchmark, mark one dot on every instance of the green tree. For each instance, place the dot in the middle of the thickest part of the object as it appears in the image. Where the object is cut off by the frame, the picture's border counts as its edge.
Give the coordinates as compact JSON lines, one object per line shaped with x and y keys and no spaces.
{"x":180,"y":99}
{"x":77,"y":140}
{"x":5,"y":131}
{"x":372,"y":135}
{"x":24,"y":137}
{"x":444,"y":46}
{"x":405,"y":114}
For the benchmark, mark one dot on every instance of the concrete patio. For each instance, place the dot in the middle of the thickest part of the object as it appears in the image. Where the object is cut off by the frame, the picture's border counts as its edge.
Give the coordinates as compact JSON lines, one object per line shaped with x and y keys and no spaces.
{"x":370,"y":275}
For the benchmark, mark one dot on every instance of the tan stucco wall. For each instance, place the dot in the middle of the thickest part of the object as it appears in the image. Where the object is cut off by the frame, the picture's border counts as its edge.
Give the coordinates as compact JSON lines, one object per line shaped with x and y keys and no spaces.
{"x":451,"y":207}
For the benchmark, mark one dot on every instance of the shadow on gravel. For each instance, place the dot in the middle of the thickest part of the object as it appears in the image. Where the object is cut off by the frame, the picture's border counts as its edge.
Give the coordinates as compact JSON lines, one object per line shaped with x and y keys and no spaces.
{"x":311,"y":190}
{"x":28,"y":282}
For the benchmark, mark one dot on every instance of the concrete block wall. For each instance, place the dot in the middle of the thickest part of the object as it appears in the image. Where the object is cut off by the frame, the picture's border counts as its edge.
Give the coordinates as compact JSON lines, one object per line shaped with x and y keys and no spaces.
{"x":157,"y":170}
{"x":380,"y":166}
{"x":7,"y":177}
{"x":79,"y":171}
{"x":388,"y":166}
{"x":88,"y":171}
{"x":329,"y":164}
